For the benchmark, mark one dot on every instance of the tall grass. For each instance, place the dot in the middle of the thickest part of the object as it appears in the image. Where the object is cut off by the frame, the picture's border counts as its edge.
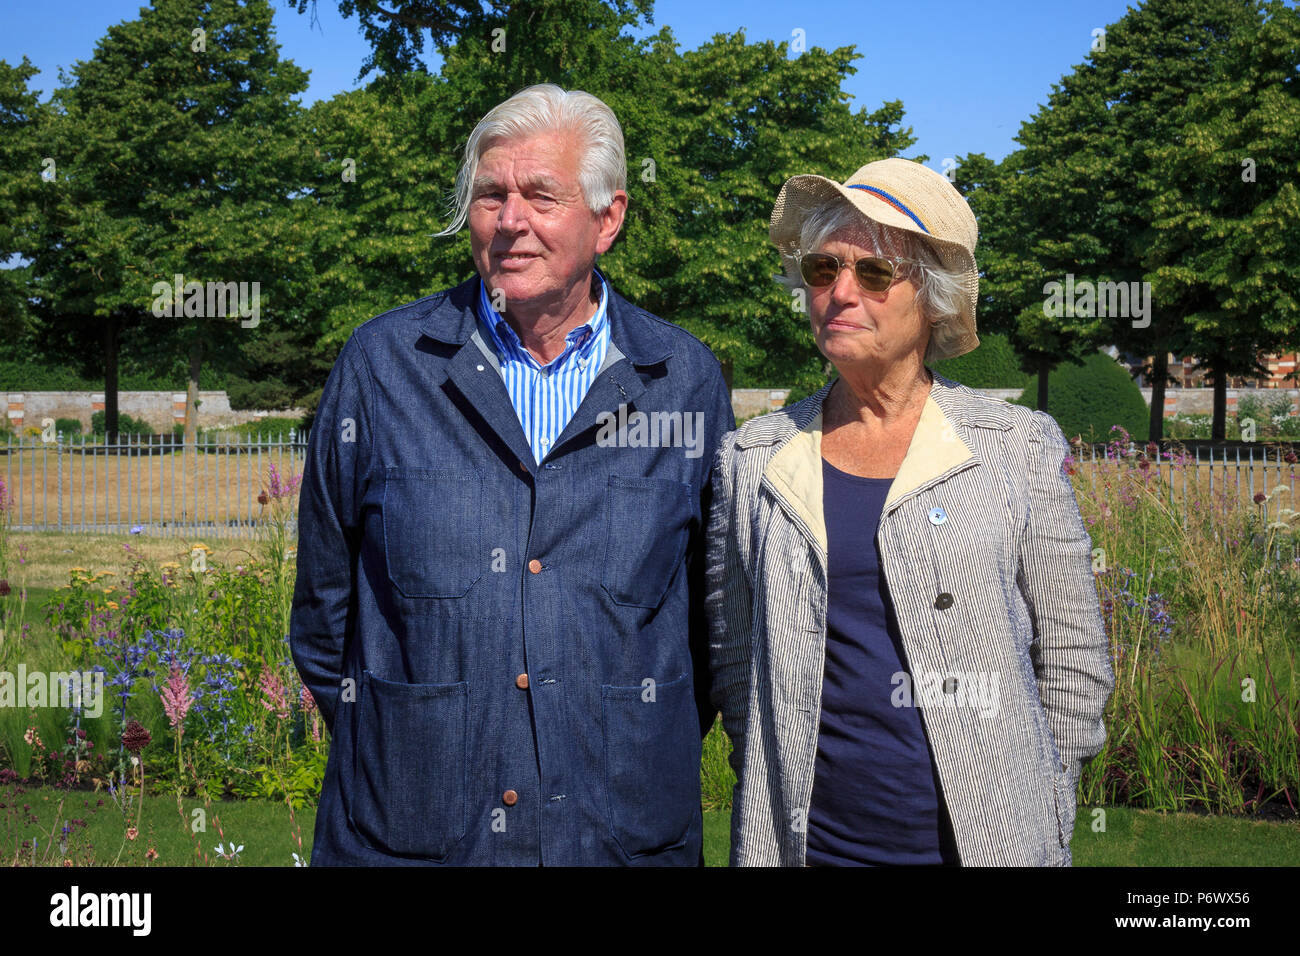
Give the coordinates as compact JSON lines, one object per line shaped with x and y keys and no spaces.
{"x":1203,"y":615}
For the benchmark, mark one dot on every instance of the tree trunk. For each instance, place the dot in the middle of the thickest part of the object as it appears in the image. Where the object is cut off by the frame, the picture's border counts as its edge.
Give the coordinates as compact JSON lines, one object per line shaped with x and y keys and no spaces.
{"x":110,"y":379}
{"x":1044,"y":368}
{"x":1218,"y":366}
{"x":192,"y":389}
{"x":1159,"y":372}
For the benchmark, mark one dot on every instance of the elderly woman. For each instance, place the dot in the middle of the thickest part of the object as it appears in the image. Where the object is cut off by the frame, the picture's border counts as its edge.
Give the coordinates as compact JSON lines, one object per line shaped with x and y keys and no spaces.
{"x":905,"y":637}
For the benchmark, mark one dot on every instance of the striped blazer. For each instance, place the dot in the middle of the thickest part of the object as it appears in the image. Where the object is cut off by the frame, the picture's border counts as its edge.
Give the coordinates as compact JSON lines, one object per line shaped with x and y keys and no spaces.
{"x":989,"y":568}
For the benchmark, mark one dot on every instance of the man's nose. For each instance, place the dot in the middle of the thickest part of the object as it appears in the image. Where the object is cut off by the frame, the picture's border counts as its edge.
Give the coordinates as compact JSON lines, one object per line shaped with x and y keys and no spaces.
{"x":513,"y":217}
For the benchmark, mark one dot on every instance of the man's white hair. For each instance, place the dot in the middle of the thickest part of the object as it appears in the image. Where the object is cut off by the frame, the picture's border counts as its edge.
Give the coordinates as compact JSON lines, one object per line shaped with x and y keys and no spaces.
{"x":545,"y":108}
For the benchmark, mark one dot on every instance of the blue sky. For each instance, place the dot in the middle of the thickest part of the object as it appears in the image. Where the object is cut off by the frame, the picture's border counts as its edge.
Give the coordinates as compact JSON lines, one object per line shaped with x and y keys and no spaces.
{"x":968,"y":73}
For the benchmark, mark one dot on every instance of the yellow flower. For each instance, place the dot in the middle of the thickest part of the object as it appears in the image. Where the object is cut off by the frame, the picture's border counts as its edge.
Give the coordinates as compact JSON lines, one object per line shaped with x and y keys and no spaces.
{"x":109,"y":590}
{"x":113,"y":605}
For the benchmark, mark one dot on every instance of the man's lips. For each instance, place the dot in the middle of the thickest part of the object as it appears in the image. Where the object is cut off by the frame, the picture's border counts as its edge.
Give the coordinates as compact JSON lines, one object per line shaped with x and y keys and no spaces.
{"x":514,"y":256}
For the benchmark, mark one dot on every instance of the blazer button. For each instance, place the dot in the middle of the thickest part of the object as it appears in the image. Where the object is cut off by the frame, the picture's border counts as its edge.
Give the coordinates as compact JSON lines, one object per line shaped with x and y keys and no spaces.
{"x":509,"y":798}
{"x":943,"y":601}
{"x":522,"y":682}
{"x":535,"y":566}
{"x":522,"y":466}
{"x":950,"y":685}
{"x":938,"y":516}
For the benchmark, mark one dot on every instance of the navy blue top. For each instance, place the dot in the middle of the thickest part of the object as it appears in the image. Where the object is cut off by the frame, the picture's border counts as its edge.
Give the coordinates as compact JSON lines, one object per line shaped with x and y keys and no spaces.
{"x":876,"y":797}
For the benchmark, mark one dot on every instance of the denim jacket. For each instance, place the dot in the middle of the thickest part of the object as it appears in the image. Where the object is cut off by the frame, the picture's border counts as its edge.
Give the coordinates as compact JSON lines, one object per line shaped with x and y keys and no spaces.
{"x":511,"y":656}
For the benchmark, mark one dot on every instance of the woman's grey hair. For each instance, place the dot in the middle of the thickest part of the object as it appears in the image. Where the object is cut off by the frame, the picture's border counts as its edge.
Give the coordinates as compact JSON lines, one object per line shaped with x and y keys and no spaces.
{"x":940,"y":292}
{"x":545,"y":108}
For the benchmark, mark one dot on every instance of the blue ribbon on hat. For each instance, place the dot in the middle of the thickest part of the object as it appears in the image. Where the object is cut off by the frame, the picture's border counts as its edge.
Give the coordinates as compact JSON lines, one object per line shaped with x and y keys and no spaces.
{"x":896,"y":203}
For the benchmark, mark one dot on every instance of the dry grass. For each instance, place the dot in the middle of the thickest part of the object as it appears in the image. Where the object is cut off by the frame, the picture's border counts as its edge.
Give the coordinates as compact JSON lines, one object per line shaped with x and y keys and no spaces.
{"x":108,"y":492}
{"x":51,"y":554}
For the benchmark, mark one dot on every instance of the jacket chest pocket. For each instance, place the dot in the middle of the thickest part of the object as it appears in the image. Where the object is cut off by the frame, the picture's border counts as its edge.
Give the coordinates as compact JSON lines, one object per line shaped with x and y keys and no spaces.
{"x":649,"y":523}
{"x":433,"y":532}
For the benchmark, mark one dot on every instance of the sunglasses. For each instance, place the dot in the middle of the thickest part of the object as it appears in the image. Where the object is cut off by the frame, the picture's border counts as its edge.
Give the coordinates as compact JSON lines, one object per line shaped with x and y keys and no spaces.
{"x":875,"y":273}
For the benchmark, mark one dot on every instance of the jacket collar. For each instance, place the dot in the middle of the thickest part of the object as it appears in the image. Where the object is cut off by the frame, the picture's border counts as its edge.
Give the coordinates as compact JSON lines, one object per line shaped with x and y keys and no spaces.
{"x":451,"y":318}
{"x":936,"y":451}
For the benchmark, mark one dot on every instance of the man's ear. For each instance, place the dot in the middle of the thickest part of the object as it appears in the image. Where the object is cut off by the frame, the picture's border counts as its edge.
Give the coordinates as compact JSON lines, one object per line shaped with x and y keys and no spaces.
{"x":611,"y":221}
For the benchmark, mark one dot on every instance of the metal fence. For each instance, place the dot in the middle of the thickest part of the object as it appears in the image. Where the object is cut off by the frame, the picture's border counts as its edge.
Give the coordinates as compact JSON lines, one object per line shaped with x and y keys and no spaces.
{"x":150,"y":484}
{"x":161,"y":486}
{"x":1219,"y":479}
{"x":1208,"y":472}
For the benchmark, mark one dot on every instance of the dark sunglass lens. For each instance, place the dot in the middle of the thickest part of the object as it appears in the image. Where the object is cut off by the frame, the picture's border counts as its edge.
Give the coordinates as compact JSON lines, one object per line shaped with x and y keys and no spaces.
{"x":875,"y":274}
{"x":819,"y":269}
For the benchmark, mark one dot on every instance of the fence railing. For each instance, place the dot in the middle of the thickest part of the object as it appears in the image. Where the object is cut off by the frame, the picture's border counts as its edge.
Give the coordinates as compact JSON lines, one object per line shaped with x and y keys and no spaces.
{"x":161,"y":486}
{"x":1219,"y":478}
{"x":1243,"y":471}
{"x":150,"y":484}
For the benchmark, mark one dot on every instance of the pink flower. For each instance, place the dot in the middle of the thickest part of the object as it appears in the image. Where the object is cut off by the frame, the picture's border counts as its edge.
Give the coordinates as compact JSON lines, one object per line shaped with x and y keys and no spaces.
{"x":273,"y":689}
{"x":309,"y":707}
{"x":176,"y":698}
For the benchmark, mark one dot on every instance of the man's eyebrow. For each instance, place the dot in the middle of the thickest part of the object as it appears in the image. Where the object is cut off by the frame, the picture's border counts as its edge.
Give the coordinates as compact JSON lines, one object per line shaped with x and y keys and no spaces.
{"x":542,"y":181}
{"x":537,"y":181}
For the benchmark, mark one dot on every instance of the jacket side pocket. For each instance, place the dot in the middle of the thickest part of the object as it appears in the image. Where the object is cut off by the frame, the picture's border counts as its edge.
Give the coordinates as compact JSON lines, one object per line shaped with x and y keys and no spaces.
{"x":1065,"y":791}
{"x":652,"y":764}
{"x":409,"y":767}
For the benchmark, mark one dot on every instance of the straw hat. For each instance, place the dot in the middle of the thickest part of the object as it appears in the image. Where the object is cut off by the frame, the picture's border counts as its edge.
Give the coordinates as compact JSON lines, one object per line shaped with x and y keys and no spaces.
{"x":906,"y":196}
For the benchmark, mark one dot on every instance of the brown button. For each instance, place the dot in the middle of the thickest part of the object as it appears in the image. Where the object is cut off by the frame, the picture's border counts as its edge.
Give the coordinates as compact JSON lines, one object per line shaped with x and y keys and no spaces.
{"x":522,"y":682}
{"x":509,"y":798}
{"x":535,"y":566}
{"x":522,"y":466}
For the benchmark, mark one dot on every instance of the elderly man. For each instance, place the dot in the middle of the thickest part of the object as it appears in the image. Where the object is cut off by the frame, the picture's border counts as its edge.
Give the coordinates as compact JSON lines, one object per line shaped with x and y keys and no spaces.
{"x":500,"y":567}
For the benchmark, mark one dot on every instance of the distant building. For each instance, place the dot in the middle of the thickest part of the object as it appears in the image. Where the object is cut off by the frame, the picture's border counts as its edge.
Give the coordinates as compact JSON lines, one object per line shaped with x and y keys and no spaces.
{"x":1183,"y":370}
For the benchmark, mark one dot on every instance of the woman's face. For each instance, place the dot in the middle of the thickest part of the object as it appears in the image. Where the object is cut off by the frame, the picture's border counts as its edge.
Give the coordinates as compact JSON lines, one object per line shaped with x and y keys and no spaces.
{"x":856,"y":328}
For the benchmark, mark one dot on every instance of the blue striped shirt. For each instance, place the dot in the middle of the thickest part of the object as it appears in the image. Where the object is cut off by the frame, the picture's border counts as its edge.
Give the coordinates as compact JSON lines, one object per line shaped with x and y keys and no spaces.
{"x":546,"y":396}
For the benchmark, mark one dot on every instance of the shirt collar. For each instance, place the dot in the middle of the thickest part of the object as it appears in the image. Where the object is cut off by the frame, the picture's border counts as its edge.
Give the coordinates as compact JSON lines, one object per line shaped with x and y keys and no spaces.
{"x":506,"y":341}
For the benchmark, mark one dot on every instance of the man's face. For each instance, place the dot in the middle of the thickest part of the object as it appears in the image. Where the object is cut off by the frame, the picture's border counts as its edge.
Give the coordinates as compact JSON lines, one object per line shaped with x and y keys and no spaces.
{"x":532,"y":235}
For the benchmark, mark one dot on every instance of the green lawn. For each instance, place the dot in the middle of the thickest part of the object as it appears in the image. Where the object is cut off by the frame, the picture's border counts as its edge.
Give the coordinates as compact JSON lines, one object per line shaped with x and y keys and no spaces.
{"x":263,"y":828}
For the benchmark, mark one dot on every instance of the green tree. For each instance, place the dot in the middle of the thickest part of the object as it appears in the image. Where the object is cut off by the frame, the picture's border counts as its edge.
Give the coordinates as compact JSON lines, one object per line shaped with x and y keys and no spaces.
{"x":1081,"y":191}
{"x":711,"y":135}
{"x":20,"y":168}
{"x":396,"y":29}
{"x":1223,"y":246}
{"x":176,"y":153}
